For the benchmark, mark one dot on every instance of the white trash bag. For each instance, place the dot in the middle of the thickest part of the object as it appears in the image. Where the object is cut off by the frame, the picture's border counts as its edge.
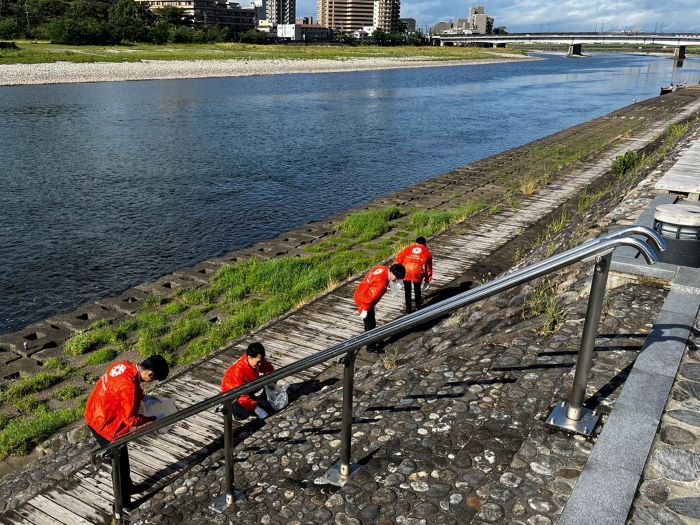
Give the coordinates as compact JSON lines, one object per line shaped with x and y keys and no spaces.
{"x":276,"y":396}
{"x":158,"y":407}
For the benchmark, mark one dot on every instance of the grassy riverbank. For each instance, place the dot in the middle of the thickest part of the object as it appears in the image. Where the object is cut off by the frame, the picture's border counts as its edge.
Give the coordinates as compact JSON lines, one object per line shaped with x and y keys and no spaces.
{"x":196,"y":322}
{"x":43,"y":52}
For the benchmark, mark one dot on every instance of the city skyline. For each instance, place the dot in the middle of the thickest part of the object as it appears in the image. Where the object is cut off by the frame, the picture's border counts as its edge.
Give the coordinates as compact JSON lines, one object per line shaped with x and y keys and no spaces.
{"x":522,"y":16}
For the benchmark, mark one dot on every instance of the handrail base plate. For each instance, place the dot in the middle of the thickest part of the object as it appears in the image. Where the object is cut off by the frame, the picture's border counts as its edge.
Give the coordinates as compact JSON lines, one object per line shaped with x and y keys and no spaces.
{"x":334,"y":477}
{"x":221,"y":503}
{"x":585,"y":426}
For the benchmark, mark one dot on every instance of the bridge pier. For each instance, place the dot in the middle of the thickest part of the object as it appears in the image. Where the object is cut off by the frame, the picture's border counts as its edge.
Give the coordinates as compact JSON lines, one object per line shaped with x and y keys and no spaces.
{"x":575,"y":50}
{"x":679,"y":53}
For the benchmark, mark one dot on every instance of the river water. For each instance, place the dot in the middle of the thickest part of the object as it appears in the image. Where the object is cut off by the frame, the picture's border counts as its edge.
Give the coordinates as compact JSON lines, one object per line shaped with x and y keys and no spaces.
{"x":105,"y":186}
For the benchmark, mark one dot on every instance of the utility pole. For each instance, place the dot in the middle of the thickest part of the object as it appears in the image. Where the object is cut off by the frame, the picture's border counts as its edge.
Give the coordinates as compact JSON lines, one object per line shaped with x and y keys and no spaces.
{"x":662,"y":27}
{"x":26,"y":11}
{"x":596,"y":27}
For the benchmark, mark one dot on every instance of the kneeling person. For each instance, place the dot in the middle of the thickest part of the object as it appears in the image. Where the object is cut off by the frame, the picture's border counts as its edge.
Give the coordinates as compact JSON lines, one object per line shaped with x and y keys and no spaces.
{"x":249,"y":367}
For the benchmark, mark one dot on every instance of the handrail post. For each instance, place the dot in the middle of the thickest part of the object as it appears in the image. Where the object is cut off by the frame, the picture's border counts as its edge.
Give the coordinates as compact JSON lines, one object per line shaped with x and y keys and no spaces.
{"x":343,"y":470}
{"x":228,"y":452}
{"x":231,"y":495}
{"x":346,"y":429}
{"x":117,"y":486}
{"x":575,"y":416}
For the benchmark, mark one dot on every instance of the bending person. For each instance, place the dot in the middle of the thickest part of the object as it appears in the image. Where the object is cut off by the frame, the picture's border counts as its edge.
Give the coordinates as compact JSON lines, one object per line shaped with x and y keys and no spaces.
{"x":113,"y":408}
{"x":418,"y":262}
{"x":371,"y":290}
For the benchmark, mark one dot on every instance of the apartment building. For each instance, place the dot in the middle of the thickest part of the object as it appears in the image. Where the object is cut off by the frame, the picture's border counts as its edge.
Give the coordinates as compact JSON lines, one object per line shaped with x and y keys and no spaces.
{"x":210,"y":12}
{"x":386,"y":15}
{"x":345,"y":15}
{"x":281,"y":11}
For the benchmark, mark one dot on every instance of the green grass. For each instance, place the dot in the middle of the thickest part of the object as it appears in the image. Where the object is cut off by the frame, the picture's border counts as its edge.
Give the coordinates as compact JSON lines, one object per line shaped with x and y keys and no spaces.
{"x":31,"y":385}
{"x":365,"y":226}
{"x":18,"y":436}
{"x":67,"y":393}
{"x":39,"y":52}
{"x":103,"y":355}
{"x":54,"y":363}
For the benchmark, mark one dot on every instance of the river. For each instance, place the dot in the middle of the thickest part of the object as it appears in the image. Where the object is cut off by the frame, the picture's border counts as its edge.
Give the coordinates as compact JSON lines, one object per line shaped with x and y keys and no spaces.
{"x":108,"y":185}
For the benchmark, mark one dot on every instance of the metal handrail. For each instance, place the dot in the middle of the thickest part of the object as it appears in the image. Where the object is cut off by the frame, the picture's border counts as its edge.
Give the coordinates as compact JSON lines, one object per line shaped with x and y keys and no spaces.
{"x":601,"y":247}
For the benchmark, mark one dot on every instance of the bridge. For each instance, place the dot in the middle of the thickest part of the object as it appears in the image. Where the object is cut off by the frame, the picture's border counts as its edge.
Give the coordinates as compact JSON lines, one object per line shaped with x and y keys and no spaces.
{"x":575,"y":41}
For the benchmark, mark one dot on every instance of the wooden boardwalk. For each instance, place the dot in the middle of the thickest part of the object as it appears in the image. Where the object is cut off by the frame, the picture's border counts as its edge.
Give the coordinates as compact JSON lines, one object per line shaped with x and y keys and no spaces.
{"x":322,"y":323}
{"x":684,"y":175}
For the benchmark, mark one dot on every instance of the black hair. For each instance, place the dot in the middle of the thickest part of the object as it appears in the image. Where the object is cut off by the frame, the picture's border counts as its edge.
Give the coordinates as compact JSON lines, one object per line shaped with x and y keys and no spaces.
{"x":158,"y":365}
{"x":398,"y":270}
{"x":421,"y":240}
{"x":255,"y":349}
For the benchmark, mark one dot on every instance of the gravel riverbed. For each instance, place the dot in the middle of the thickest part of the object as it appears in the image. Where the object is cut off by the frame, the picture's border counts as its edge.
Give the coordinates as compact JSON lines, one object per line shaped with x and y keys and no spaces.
{"x":69,"y":72}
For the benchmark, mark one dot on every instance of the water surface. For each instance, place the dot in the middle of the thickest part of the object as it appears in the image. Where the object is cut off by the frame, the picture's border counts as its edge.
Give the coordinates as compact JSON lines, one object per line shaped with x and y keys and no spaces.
{"x":108,"y":185}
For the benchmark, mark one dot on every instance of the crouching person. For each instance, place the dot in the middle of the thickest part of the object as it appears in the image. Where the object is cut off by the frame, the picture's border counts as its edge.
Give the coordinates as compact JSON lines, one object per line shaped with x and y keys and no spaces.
{"x":113,"y":408}
{"x":249,"y":367}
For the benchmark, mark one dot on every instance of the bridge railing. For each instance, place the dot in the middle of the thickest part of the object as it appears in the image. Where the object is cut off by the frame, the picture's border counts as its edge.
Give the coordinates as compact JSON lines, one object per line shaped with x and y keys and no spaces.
{"x":572,"y":416}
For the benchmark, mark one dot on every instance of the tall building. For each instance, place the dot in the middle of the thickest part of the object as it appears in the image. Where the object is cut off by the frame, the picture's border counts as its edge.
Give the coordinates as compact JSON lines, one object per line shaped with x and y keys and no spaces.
{"x":210,"y":12}
{"x":478,"y":21}
{"x":345,"y":15}
{"x":281,"y":11}
{"x":386,"y":15}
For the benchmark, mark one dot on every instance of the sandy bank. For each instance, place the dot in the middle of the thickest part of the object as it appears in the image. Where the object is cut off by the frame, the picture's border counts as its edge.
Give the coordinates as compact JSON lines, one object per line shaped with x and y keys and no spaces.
{"x":68,"y":72}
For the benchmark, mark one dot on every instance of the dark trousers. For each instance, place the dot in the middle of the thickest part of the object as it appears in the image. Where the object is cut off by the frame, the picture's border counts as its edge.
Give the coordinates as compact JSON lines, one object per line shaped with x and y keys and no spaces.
{"x":240,"y":412}
{"x":123,"y":466}
{"x":370,"y":324}
{"x":407,"y":285}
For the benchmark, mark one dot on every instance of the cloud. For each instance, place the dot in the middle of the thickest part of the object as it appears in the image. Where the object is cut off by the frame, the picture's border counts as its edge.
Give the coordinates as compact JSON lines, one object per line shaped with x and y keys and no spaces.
{"x":523,"y":16}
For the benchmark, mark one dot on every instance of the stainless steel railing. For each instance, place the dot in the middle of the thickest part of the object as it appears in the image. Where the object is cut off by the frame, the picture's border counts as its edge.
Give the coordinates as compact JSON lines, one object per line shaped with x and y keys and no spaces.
{"x":574,"y":416}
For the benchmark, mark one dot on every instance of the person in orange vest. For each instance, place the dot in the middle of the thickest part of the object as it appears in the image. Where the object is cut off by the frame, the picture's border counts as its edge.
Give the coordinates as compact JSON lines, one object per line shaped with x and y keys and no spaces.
{"x":371,"y":290}
{"x":248,"y":368}
{"x":112,"y":409}
{"x":418,"y":262}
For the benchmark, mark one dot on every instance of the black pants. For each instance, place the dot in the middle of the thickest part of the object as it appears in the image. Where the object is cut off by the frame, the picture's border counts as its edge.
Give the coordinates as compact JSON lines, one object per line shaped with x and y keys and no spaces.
{"x":407,"y":285}
{"x":123,"y":466}
{"x":370,"y":324}
{"x":240,"y":412}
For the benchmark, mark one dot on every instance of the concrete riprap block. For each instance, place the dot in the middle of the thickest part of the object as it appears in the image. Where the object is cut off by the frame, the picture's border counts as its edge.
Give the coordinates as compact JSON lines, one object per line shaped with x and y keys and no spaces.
{"x":201,"y":273}
{"x":168,"y":285}
{"x":35,"y":337}
{"x":231,"y":258}
{"x":85,"y":316}
{"x":18,"y":369}
{"x":7,"y":356}
{"x":128,"y":302}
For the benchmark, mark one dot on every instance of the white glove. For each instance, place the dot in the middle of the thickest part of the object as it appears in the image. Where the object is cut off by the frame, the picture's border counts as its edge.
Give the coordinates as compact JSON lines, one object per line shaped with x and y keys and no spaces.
{"x":426,"y":285}
{"x":260,"y":413}
{"x":363,"y":314}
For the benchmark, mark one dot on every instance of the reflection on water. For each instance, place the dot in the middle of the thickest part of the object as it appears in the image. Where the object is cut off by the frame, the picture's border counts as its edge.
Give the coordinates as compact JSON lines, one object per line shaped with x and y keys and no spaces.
{"x":109,"y":185}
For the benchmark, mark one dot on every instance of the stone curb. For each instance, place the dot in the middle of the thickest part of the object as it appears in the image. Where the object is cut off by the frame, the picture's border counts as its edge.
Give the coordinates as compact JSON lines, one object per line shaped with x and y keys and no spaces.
{"x":605,"y":491}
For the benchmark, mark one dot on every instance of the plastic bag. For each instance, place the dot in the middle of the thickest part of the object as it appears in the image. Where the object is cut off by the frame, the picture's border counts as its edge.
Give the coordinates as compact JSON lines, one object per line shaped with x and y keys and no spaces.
{"x":276,"y":396}
{"x":158,"y":407}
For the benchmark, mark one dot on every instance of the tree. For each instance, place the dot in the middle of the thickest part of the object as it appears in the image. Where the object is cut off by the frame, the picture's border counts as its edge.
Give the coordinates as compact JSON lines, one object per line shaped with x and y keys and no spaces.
{"x":85,"y":22}
{"x":174,"y":16}
{"x":501,"y":30}
{"x":128,"y":20}
{"x":253,"y":36}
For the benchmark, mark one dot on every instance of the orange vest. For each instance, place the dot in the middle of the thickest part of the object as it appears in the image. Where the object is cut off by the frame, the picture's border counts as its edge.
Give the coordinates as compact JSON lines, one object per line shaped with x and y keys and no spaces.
{"x":113,"y":407}
{"x":372,"y":288}
{"x":418,"y":262}
{"x":241,"y":373}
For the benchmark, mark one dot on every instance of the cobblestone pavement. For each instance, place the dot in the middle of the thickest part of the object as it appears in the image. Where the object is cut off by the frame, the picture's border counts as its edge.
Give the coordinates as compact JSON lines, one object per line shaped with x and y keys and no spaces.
{"x":454,"y":433}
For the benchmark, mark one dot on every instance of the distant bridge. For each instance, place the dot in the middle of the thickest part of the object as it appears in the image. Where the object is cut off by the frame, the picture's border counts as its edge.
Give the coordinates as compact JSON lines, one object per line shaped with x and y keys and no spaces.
{"x":575,"y":41}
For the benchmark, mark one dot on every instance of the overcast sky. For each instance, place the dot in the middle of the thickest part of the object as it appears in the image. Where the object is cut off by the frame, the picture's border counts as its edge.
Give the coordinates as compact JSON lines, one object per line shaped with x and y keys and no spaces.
{"x":556,"y":15}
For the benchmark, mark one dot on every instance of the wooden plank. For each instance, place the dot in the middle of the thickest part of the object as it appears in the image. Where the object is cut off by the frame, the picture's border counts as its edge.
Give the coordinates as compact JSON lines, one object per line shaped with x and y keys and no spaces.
{"x":58,"y":512}
{"x":35,"y":516}
{"x":12,"y":518}
{"x":84,"y":495}
{"x":81,"y":508}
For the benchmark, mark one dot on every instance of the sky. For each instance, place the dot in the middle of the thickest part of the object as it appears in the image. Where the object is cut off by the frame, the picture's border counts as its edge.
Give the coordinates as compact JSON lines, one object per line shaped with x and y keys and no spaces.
{"x":524,"y":16}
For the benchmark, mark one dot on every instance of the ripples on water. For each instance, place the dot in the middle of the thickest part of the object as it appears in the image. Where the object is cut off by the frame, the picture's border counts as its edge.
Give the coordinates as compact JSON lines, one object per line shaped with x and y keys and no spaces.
{"x":105,"y":186}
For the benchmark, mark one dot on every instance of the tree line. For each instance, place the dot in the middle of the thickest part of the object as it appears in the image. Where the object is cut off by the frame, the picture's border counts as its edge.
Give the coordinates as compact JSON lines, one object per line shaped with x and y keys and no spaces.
{"x":93,"y":22}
